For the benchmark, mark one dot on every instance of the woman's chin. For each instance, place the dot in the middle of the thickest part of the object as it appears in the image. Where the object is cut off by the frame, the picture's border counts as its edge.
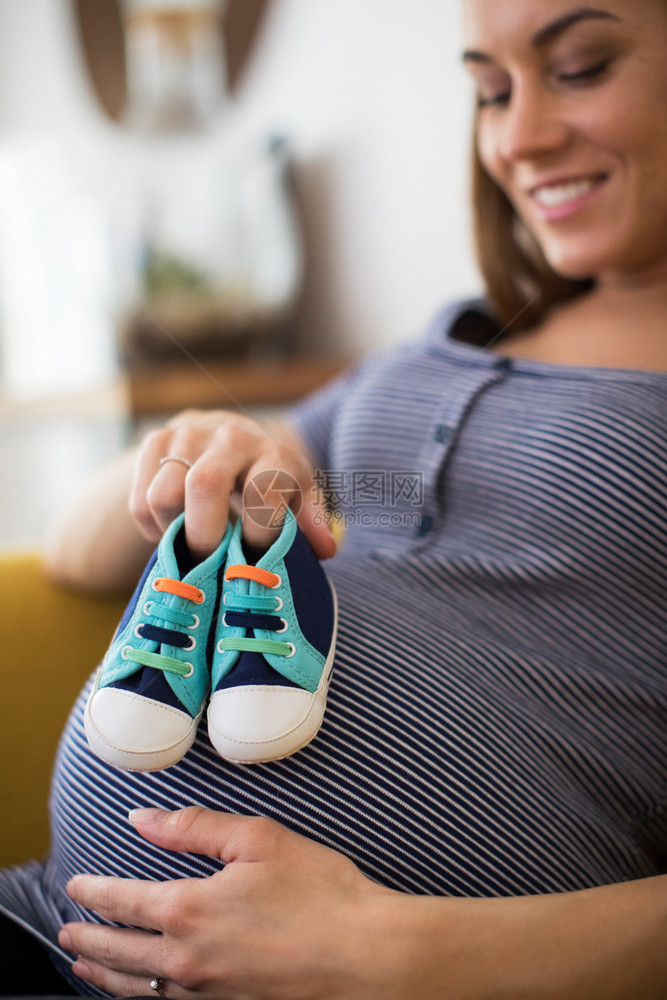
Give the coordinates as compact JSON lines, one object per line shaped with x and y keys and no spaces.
{"x":588,"y":259}
{"x":575,"y":266}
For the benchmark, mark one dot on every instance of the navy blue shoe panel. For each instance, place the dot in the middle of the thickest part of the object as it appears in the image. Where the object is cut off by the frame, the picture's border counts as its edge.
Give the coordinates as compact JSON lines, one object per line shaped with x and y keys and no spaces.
{"x":311,"y":593}
{"x":150,"y":683}
{"x":252,"y":668}
{"x":147,"y":681}
{"x":212,"y":638}
{"x":129,"y":610}
{"x":184,"y":558}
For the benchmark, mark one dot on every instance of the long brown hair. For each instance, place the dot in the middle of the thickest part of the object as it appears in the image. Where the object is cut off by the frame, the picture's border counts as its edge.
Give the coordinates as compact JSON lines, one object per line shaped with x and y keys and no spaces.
{"x":521,"y":285}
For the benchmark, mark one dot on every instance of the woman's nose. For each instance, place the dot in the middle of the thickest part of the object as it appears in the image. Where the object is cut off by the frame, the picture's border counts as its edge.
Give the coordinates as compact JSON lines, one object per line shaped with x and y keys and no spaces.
{"x":532,"y":125}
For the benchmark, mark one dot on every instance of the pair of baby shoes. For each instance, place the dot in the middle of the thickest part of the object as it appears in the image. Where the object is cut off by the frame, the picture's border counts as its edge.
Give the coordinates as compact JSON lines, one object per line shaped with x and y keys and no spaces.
{"x":254,"y":640}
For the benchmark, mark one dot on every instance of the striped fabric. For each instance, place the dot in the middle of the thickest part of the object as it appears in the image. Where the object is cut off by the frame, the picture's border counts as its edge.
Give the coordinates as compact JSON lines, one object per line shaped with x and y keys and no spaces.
{"x":497,"y":715}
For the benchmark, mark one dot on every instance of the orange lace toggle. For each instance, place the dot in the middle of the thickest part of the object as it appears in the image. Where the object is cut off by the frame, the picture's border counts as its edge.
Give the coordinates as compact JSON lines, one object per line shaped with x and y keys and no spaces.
{"x":242,"y":572}
{"x":186,"y":590}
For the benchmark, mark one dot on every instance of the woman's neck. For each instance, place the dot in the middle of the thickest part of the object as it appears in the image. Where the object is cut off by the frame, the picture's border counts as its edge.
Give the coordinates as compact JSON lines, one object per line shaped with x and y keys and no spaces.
{"x":613,"y":326}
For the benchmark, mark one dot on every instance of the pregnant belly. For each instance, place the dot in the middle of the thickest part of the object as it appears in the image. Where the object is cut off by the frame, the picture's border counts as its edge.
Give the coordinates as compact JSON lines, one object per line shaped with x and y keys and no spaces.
{"x":431,"y":780}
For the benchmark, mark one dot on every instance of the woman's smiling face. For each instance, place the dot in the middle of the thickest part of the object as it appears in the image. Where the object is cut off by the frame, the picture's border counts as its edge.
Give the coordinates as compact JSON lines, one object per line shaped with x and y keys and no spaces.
{"x":573,"y":125}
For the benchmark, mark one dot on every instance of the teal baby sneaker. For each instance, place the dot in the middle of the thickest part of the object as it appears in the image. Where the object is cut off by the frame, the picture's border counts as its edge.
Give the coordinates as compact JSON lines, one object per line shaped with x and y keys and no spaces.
{"x":276,"y":638}
{"x":151,"y":688}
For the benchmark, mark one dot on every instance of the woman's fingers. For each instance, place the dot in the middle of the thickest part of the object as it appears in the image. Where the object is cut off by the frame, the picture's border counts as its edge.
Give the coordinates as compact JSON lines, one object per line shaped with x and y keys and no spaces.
{"x":208,"y":488}
{"x":118,"y":984}
{"x":122,"y":984}
{"x":130,"y":951}
{"x":126,"y":900}
{"x":160,"y":487}
{"x":166,"y":493}
{"x":224,"y":455}
{"x":270,"y":486}
{"x":314,"y":522}
{"x":153,"y":448}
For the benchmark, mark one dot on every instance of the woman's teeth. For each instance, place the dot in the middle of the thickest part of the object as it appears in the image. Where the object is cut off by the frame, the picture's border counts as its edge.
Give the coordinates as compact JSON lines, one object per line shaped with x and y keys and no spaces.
{"x":551,"y":197}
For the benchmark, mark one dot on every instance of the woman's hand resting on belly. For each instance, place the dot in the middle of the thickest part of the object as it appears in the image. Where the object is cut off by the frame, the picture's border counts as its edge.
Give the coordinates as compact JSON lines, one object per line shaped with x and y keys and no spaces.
{"x":286,"y":918}
{"x":290,"y":919}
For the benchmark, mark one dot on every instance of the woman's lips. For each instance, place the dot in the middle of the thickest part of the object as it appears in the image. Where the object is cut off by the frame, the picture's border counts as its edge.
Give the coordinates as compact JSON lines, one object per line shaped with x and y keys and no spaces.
{"x":560,"y":201}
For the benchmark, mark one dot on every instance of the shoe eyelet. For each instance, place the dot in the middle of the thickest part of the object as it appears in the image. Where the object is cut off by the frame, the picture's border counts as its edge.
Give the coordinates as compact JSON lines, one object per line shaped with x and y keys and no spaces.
{"x":193,"y":643}
{"x":223,"y":620}
{"x":224,"y":597}
{"x":124,"y":650}
{"x":203,"y":597}
{"x":137,"y":633}
{"x":190,"y":671}
{"x":288,"y":656}
{"x":147,"y":609}
{"x":279,"y":605}
{"x":218,"y":644}
{"x":155,"y":582}
{"x":284,"y":628}
{"x":196,"y":622}
{"x":278,"y":584}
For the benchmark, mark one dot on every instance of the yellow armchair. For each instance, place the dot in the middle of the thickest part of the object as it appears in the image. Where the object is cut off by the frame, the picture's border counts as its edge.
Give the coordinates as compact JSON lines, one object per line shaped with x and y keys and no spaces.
{"x":52,"y":638}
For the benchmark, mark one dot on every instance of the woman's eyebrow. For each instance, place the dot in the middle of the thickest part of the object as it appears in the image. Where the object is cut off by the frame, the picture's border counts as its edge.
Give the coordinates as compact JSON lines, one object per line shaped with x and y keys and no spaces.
{"x":550,"y":31}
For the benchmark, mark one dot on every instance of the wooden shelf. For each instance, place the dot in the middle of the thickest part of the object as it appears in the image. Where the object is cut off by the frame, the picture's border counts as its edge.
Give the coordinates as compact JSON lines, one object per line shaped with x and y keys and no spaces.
{"x":172,"y":387}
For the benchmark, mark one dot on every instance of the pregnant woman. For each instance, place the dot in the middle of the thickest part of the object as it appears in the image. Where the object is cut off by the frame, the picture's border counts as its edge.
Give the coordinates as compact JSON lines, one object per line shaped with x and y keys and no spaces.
{"x":484,"y":811}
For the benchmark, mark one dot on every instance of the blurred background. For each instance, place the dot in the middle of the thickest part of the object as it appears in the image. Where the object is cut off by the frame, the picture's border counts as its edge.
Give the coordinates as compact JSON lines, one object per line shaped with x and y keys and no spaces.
{"x":212,"y":203}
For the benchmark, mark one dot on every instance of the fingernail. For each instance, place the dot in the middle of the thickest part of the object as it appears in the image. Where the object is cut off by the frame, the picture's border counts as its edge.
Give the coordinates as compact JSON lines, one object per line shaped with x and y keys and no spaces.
{"x":64,"y":940}
{"x":72,"y":884}
{"x":145,"y":816}
{"x":81,"y":970}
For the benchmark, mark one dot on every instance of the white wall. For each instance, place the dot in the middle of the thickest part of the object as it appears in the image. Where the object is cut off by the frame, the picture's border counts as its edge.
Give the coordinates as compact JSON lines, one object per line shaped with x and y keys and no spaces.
{"x":378,"y":106}
{"x":378,"y":109}
{"x":56,"y":330}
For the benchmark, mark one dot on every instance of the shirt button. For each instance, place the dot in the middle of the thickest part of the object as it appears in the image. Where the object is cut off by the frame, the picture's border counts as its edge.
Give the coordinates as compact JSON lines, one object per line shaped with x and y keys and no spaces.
{"x":442,"y":433}
{"x":504,"y":364}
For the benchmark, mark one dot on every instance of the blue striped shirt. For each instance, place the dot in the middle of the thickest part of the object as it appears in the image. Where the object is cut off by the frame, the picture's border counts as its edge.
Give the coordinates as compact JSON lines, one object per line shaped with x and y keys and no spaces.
{"x":497,"y":716}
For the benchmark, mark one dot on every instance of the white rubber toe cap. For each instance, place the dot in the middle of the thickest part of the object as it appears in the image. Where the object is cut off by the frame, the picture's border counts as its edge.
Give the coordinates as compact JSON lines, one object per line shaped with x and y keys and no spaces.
{"x":255,"y":724}
{"x":137,"y":733}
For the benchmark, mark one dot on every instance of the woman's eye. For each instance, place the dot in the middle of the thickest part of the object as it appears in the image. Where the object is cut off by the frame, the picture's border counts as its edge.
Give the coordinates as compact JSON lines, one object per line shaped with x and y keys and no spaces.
{"x":589,"y":73}
{"x":586,"y":74}
{"x":486,"y":102}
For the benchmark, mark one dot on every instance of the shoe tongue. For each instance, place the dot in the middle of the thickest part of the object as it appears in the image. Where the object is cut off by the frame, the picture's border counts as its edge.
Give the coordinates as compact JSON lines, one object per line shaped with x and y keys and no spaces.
{"x":185,"y":561}
{"x":251,"y":555}
{"x":264,"y":558}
